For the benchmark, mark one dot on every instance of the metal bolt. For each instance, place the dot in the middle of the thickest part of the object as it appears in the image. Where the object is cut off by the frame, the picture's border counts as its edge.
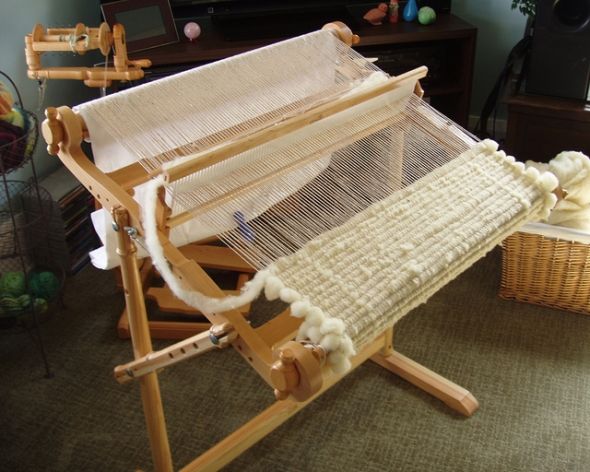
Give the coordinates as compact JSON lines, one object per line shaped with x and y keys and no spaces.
{"x":131,"y":231}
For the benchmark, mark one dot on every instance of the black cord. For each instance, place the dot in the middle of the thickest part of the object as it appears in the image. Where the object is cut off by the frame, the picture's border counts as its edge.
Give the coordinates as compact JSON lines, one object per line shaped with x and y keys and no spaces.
{"x":519,"y":52}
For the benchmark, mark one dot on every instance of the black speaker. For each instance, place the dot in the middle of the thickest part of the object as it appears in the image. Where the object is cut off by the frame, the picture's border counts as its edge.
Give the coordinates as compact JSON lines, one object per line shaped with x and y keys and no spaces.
{"x":560,"y":57}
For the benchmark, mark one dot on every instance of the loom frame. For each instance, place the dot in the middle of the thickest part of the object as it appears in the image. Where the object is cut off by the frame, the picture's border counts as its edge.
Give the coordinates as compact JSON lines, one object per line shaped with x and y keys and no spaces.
{"x":294,"y":372}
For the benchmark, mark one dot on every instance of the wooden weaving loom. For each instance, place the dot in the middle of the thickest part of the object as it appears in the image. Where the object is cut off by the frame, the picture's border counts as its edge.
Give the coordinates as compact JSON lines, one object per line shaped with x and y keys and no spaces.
{"x":354,"y":199}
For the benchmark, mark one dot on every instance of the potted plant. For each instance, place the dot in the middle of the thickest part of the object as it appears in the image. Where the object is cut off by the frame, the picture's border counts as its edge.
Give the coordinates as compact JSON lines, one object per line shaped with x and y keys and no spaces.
{"x":526,"y":7}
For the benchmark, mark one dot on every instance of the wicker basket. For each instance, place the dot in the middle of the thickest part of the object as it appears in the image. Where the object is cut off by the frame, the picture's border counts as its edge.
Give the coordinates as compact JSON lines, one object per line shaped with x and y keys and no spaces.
{"x":547,"y":270}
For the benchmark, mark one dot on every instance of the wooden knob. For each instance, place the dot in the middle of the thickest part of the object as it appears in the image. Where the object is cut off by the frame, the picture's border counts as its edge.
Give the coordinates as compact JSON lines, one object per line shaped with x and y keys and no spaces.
{"x":295,"y":372}
{"x":104,"y":39}
{"x":37,"y":33}
{"x":343,"y":32}
{"x":283,"y":375}
{"x":52,"y":130}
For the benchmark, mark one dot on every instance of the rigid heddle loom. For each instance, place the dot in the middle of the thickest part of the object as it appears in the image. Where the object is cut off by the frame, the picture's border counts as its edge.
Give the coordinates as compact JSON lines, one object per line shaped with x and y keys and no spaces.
{"x":353,"y":199}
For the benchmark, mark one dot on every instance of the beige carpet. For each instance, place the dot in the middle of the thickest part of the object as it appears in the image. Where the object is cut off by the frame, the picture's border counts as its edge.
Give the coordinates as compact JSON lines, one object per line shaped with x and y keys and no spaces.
{"x":528,"y":366}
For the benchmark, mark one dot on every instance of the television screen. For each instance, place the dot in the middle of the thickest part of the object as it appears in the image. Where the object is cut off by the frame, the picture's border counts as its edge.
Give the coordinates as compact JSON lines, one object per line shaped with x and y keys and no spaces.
{"x":270,"y":19}
{"x":212,"y":7}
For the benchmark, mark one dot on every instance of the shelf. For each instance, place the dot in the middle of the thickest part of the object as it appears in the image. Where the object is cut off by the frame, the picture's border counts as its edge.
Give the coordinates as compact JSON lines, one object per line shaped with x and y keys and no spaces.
{"x":73,"y":235}
{"x":446,"y":47}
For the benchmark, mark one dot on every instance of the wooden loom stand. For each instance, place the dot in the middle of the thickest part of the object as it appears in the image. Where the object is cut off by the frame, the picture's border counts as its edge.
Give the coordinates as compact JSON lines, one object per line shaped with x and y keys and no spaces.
{"x":295,"y":372}
{"x":80,"y":40}
{"x":208,"y":257}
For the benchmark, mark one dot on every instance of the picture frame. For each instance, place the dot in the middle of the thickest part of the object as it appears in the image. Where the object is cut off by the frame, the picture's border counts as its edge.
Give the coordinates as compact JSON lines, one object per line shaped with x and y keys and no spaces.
{"x":148,"y":23}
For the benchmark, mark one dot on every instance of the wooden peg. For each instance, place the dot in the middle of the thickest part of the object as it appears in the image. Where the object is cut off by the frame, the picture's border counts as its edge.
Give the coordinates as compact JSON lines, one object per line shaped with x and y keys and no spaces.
{"x":418,"y":90}
{"x":52,"y":131}
{"x":284,"y":375}
{"x":104,"y":39}
{"x":120,"y":57}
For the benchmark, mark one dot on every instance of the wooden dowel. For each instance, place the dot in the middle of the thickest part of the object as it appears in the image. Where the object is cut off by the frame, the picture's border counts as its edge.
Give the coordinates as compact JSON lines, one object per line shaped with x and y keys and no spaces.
{"x":180,"y":351}
{"x":205,"y":159}
{"x":61,"y":46}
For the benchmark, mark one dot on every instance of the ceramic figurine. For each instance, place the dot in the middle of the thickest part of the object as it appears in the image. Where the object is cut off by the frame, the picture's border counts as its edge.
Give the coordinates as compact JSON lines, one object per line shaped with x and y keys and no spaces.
{"x":410,"y":11}
{"x":375,"y":15}
{"x":393,"y":11}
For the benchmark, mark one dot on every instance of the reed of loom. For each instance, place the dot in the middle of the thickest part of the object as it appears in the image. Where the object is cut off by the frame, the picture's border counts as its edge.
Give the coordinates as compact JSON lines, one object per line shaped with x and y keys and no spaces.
{"x":80,"y":40}
{"x":295,"y":372}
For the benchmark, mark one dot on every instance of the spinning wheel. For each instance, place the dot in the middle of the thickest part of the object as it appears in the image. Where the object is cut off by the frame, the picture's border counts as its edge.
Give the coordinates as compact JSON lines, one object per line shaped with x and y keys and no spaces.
{"x":80,"y":40}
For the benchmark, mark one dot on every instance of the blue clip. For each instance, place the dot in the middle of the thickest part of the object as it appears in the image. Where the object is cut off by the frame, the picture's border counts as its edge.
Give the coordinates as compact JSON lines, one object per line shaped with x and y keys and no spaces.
{"x":245,"y":229}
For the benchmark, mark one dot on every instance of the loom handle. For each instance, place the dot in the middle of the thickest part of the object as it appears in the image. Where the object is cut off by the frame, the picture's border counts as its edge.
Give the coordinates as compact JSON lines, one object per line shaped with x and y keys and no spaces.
{"x":343,"y":32}
{"x":52,"y":131}
{"x":297,"y":371}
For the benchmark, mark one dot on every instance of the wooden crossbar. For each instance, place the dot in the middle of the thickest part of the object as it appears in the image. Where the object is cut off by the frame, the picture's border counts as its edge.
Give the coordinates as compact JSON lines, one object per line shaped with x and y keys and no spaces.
{"x":199,"y":161}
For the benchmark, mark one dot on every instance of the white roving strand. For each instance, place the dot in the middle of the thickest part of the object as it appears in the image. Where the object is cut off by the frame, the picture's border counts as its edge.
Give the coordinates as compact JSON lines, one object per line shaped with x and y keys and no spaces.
{"x":192,"y":298}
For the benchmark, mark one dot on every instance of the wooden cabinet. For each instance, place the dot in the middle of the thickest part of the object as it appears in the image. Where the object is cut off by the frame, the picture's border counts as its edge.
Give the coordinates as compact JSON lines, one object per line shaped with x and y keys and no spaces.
{"x":540,"y":127}
{"x":447,"y":47}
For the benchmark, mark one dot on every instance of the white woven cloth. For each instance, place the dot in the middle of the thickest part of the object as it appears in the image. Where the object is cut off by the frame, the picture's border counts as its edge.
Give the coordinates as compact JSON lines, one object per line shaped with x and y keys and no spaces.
{"x":351,"y":283}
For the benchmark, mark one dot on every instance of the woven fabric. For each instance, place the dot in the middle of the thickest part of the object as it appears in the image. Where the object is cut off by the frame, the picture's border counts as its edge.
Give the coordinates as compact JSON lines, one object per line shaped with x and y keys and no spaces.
{"x":375,"y":268}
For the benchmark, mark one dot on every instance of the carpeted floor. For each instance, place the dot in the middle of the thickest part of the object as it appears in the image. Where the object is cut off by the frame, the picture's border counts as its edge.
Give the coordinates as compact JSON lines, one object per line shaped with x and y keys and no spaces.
{"x":528,"y":366}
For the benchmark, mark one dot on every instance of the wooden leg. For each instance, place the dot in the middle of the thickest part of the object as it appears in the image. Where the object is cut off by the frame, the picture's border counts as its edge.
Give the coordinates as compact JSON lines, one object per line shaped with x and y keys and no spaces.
{"x":450,"y":393}
{"x":145,"y":274}
{"x":249,"y":434}
{"x":142,"y":345}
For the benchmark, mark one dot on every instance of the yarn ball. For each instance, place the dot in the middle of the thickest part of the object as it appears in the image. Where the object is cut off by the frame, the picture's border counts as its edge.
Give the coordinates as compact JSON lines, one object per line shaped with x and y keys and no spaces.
{"x":6,"y":99}
{"x":426,"y":16}
{"x":40,"y":305}
{"x":15,"y":117}
{"x":24,"y":301}
{"x":9,"y":304}
{"x":44,"y":285}
{"x":12,"y":284}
